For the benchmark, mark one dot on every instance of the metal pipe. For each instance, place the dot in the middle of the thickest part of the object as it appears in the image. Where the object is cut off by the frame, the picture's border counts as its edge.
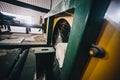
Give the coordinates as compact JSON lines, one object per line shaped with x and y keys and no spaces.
{"x":15,"y":74}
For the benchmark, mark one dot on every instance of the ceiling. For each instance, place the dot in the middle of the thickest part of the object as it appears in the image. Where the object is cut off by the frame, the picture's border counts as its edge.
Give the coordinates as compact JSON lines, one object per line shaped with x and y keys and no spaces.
{"x":33,"y":8}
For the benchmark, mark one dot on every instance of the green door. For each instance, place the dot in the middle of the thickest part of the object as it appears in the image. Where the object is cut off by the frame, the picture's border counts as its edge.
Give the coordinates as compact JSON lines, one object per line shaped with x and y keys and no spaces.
{"x":88,"y":18}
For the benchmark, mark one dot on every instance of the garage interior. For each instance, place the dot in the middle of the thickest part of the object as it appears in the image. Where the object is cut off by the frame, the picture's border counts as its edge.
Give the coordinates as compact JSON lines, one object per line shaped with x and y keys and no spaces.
{"x":59,"y":39}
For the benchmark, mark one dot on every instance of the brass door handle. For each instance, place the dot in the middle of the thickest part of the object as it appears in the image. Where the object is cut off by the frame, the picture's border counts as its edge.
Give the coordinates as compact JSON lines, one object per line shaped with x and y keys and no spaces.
{"x":97,"y":51}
